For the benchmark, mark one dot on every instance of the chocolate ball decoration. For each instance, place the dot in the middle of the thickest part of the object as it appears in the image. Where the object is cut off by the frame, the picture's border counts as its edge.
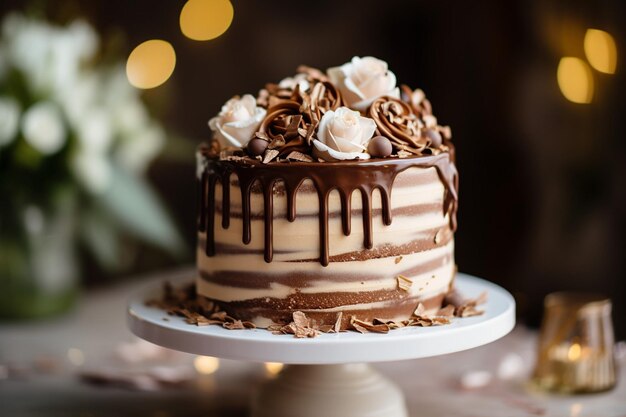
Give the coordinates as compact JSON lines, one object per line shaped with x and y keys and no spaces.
{"x":257,"y":146}
{"x":434,"y":137}
{"x":379,"y":147}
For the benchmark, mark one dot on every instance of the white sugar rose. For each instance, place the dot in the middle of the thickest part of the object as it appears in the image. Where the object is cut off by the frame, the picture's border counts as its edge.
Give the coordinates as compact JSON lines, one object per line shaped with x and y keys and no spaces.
{"x":343,"y":134}
{"x":236,"y":123}
{"x":363,"y":80}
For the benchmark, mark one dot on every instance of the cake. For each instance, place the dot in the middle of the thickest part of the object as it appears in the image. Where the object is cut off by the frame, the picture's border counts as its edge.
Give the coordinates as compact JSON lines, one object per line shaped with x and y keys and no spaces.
{"x":330,"y":193}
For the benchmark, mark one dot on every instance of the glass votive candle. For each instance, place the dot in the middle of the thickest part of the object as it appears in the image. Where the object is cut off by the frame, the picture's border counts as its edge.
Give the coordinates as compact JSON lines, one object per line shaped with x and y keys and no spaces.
{"x":576,"y":344}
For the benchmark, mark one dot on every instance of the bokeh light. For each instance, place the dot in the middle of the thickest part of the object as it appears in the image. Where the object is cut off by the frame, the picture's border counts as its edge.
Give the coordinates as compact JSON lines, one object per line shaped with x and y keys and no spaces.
{"x":601,"y":50}
{"x":575,"y":80}
{"x":203,"y":20}
{"x":150,"y":64}
{"x":273,"y":368}
{"x":76,"y":356}
{"x":206,"y":365}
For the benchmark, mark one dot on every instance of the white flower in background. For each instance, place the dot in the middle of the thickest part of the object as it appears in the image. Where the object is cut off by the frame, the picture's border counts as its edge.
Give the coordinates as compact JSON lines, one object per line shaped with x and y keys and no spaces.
{"x":50,"y":57}
{"x":363,"y":80}
{"x":28,"y":45}
{"x":94,"y":130}
{"x":84,"y":94}
{"x":43,"y":128}
{"x":92,"y":169}
{"x":9,"y":119}
{"x":69,"y":49}
{"x":237,"y":121}
{"x":135,"y":154}
{"x":130,"y":117}
{"x":291,"y":82}
{"x":343,"y":134}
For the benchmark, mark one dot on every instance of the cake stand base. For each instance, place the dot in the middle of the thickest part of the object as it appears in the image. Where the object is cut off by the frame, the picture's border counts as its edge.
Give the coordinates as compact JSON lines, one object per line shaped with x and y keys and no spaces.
{"x":348,"y":390}
{"x":328,"y":376}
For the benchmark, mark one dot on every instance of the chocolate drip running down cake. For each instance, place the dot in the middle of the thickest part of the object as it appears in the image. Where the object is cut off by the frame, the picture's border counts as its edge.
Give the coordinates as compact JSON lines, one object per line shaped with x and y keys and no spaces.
{"x":327,"y":193}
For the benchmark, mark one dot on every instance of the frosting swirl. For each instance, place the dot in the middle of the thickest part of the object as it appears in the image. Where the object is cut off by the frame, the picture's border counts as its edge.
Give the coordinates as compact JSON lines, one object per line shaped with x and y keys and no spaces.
{"x":395,"y":119}
{"x":287,"y":129}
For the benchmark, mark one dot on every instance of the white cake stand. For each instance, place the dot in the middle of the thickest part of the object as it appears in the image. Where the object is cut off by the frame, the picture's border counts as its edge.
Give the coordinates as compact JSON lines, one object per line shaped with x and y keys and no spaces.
{"x":329,"y":376}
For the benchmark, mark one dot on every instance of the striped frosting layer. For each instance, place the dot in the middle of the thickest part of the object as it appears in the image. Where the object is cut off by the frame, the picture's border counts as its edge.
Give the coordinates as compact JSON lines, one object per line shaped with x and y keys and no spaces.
{"x":418,"y":245}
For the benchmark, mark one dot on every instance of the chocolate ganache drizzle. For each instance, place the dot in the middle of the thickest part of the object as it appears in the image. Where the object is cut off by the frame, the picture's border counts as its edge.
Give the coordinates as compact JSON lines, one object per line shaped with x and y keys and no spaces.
{"x":365,"y":176}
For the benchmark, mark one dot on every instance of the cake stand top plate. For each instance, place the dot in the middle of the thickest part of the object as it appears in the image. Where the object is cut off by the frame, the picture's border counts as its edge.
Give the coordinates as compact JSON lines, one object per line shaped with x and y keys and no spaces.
{"x":259,"y":345}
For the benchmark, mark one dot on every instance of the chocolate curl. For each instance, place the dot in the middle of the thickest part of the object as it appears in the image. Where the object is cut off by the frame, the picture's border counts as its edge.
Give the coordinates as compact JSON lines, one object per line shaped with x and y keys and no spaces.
{"x":395,"y":120}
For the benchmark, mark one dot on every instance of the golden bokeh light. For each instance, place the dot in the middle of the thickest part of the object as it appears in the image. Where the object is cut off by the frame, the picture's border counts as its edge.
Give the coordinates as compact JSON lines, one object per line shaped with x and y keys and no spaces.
{"x":575,"y":80}
{"x":150,"y":64}
{"x":203,"y":20}
{"x":273,"y":368}
{"x":574,"y":351}
{"x":601,"y":50}
{"x":206,"y":365}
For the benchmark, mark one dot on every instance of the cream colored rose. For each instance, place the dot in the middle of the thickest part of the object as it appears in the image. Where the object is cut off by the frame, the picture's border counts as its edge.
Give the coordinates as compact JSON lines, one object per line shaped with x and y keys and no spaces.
{"x":363,"y":80}
{"x":343,"y":134}
{"x":236,"y":123}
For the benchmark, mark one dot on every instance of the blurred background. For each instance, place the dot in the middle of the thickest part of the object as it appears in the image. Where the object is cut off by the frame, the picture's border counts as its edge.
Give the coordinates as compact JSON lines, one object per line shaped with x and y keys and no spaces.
{"x":102,"y":104}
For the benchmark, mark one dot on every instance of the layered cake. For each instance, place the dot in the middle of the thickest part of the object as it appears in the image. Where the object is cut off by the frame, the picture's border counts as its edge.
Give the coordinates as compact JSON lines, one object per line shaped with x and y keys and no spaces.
{"x":329,"y":192}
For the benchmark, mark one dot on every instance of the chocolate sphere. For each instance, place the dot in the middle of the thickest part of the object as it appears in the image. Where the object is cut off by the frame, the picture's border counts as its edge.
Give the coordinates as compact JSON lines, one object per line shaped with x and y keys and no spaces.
{"x":434,"y":137}
{"x":379,"y":147}
{"x":257,"y":146}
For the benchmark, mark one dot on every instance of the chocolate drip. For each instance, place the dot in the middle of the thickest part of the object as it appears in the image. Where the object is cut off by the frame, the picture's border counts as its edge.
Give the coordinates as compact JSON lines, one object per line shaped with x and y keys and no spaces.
{"x":355,"y":175}
{"x":225,"y":180}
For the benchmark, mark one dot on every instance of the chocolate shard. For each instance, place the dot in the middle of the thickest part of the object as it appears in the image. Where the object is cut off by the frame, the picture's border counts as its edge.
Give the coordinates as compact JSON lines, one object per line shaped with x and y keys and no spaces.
{"x":270,"y":154}
{"x":337,"y":326}
{"x":364,"y":326}
{"x":404,"y":283}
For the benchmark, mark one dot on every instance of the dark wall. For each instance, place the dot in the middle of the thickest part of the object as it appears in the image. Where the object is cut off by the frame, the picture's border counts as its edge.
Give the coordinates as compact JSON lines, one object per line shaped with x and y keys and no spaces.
{"x":543,"y":180}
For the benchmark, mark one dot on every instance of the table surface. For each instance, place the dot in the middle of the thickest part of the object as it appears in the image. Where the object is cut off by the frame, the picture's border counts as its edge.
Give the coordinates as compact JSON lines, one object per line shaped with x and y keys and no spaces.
{"x":41,"y":363}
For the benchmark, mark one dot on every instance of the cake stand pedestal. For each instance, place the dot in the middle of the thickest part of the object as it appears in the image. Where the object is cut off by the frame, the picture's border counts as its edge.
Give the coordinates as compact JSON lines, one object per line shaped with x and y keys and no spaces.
{"x":329,"y":375}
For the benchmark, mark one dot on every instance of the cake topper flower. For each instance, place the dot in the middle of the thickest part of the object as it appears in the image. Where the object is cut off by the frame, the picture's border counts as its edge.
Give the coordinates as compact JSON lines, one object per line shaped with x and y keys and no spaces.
{"x":343,"y":134}
{"x":237,"y":121}
{"x":363,"y":80}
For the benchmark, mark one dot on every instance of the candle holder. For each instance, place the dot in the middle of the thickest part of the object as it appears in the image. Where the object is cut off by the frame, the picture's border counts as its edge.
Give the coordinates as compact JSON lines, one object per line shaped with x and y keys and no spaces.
{"x":576,"y":345}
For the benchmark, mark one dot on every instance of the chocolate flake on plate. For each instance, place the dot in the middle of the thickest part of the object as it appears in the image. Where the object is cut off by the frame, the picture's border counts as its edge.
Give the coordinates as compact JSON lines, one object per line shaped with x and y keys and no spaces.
{"x":365,"y":326}
{"x":465,"y":307}
{"x":184,"y":302}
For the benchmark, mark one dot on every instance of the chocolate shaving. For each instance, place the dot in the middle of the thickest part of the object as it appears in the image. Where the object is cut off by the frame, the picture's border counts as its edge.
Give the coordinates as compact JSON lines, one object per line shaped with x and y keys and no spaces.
{"x":398,"y":259}
{"x":447,"y":311}
{"x":465,"y":307}
{"x":235,"y":325}
{"x":365,"y":327}
{"x":337,"y":326}
{"x":299,"y":156}
{"x":270,"y":155}
{"x":404,"y":283}
{"x":300,"y":327}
